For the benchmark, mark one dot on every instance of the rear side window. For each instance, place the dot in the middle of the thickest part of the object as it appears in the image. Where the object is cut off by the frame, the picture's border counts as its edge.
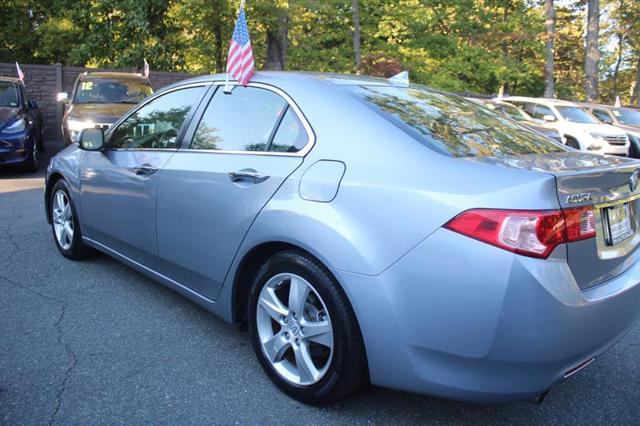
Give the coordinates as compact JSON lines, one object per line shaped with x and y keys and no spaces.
{"x":602,"y":116}
{"x":540,"y":111}
{"x":452,"y":125}
{"x":291,"y":135}
{"x":249,"y":119}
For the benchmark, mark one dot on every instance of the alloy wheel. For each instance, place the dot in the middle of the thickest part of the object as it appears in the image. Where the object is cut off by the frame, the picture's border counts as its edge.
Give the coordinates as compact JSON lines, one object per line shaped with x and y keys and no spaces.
{"x":62,"y":217}
{"x":296,"y":337}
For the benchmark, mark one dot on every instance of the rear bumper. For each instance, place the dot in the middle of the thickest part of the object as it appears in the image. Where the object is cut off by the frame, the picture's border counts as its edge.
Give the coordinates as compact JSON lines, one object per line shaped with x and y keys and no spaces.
{"x":460,"y":319}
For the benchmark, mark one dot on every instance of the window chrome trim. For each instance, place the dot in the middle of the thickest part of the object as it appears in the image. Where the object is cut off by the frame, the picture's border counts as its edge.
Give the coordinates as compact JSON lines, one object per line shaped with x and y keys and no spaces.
{"x":142,"y":104}
{"x":303,"y":119}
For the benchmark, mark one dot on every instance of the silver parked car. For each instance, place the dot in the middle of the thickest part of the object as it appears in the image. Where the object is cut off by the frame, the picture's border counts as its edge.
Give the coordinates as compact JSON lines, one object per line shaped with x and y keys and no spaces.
{"x":365,"y":230}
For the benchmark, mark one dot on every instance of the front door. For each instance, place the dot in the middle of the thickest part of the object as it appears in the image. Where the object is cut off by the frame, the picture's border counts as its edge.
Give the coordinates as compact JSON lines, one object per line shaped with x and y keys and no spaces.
{"x":244,"y":147}
{"x":119,"y":185}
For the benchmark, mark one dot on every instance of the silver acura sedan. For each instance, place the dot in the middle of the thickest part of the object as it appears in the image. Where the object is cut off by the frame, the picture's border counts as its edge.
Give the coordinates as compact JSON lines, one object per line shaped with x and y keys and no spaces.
{"x":365,"y":230}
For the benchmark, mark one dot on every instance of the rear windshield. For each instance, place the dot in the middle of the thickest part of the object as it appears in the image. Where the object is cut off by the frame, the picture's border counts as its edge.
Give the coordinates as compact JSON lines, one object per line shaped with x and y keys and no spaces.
{"x":452,"y":125}
{"x":111,"y":91}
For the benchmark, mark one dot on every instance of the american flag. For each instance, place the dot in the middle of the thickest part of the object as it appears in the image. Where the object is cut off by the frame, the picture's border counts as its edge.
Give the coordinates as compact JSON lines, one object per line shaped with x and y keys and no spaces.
{"x":240,"y":59}
{"x":20,"y":74}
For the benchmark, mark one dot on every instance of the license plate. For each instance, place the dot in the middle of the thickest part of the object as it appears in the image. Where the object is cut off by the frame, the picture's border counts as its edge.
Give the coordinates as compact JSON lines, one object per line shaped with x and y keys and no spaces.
{"x":619,"y":219}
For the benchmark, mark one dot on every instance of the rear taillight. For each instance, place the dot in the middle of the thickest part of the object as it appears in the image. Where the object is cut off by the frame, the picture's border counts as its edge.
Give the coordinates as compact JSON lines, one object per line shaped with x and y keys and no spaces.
{"x":530,"y":233}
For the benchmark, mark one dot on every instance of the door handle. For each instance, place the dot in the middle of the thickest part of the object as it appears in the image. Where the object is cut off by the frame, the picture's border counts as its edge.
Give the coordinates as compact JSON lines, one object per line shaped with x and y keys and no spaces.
{"x":247,"y":175}
{"x":145,"y":169}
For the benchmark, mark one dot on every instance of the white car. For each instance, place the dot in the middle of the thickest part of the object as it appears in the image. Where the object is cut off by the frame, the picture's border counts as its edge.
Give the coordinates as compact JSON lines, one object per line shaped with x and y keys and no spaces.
{"x":581,"y":130}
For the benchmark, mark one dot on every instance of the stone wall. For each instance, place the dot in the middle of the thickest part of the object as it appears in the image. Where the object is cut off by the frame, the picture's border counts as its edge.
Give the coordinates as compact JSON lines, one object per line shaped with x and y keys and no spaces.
{"x":43,"y":82}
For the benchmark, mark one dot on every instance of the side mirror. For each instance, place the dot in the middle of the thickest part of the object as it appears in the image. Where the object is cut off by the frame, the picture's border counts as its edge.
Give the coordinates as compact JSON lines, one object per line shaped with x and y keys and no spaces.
{"x":92,"y":139}
{"x":549,"y":118}
{"x":62,"y":97}
{"x":32,"y":105}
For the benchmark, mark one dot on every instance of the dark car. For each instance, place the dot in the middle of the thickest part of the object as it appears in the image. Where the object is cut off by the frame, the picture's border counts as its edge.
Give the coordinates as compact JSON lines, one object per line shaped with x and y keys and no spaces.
{"x":99,"y":99}
{"x":628,"y":119}
{"x":21,"y":135}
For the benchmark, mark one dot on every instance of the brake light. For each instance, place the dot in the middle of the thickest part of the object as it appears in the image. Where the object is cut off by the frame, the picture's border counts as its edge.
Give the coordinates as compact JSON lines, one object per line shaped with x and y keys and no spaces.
{"x":580,"y":223}
{"x":529,"y":233}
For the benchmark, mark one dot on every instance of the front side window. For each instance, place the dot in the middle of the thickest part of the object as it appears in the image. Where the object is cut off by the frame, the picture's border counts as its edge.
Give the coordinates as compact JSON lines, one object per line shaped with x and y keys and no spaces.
{"x":602,"y":116}
{"x":157,"y":124}
{"x":111,"y":91}
{"x":249,"y":119}
{"x":8,"y":95}
{"x":575,"y":115}
{"x":450,"y":124}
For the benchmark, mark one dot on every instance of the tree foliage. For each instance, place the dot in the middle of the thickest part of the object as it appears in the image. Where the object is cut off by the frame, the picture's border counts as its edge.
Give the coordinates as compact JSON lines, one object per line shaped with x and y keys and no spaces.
{"x":459,"y":45}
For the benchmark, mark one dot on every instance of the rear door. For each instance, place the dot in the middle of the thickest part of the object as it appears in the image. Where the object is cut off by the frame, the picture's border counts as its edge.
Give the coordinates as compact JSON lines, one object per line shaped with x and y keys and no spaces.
{"x":119,"y":184}
{"x":232,"y":162}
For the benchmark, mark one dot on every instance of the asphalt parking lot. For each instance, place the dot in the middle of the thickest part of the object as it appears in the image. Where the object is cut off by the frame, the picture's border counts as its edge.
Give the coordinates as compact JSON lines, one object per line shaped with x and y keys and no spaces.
{"x":96,"y":342}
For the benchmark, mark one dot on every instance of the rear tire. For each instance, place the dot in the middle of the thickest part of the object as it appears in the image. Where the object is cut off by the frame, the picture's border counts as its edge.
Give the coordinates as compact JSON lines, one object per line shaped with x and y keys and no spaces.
{"x":32,"y":163}
{"x":40,"y":139}
{"x":65,"y":225}
{"x":312,"y":350}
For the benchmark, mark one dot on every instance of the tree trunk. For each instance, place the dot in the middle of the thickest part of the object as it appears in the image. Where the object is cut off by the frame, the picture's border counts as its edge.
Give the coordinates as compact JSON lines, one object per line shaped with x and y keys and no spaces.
{"x":355,"y":9}
{"x":550,"y":26}
{"x":220,"y":60}
{"x":592,"y":53}
{"x":620,"y":53}
{"x":277,"y":42}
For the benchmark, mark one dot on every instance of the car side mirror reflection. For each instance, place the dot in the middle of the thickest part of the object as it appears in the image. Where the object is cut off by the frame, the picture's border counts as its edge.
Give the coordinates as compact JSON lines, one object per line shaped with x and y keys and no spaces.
{"x":32,"y":105}
{"x":549,"y":118}
{"x":62,"y":97}
{"x":92,"y":139}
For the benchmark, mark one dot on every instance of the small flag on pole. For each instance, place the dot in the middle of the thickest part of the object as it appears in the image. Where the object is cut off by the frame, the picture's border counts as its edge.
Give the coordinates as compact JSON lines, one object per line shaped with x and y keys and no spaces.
{"x":20,"y":73}
{"x":240,"y":59}
{"x":146,"y":68}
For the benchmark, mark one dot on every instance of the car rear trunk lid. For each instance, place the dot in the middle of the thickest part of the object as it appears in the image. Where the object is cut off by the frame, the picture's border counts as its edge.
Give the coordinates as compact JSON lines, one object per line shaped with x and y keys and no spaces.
{"x":612,"y":186}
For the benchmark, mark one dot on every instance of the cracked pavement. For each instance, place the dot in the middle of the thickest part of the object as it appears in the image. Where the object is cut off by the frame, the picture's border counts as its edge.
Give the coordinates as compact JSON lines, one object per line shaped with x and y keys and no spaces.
{"x":96,"y":342}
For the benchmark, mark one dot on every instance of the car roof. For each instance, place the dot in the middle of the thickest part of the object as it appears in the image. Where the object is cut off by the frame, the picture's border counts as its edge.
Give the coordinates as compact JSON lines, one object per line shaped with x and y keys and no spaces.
{"x":11,"y":80}
{"x":285,"y":78}
{"x":113,"y":75}
{"x":544,"y":101}
{"x":601,"y":106}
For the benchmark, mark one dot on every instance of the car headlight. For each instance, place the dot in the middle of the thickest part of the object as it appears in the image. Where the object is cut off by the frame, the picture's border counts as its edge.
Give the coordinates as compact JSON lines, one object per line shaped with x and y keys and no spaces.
{"x":79,"y":125}
{"x":17,"y":126}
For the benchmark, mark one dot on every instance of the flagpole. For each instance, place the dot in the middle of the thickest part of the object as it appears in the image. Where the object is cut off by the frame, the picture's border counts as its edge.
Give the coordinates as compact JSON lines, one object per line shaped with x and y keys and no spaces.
{"x":227,"y":86}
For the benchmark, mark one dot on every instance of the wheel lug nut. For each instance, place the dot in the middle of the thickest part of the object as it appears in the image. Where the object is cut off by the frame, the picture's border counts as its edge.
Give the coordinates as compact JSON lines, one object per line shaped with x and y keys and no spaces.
{"x":286,"y":334}
{"x":297,"y":342}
